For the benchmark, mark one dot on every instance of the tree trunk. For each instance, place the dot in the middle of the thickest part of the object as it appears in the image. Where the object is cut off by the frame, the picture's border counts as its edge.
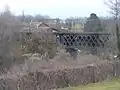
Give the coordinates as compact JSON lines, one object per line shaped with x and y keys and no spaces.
{"x":118,"y":39}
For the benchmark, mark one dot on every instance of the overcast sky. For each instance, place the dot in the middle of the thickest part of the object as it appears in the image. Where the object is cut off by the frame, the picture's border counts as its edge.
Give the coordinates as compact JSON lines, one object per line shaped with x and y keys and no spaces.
{"x":57,"y":8}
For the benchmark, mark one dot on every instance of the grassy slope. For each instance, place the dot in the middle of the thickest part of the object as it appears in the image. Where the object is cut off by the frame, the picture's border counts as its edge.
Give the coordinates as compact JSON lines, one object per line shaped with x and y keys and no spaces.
{"x":106,"y":85}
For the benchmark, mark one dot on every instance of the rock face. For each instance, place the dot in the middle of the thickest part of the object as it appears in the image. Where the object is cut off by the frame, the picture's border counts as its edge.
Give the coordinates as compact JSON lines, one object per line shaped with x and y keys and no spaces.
{"x":93,"y":24}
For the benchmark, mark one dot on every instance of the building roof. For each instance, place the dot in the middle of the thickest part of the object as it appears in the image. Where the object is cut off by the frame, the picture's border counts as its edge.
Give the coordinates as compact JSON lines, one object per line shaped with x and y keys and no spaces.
{"x":42,"y":24}
{"x":39,"y":27}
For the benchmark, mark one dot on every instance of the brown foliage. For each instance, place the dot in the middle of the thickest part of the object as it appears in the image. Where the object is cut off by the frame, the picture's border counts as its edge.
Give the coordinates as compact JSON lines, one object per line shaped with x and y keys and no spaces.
{"x":50,"y":79}
{"x":41,"y":43}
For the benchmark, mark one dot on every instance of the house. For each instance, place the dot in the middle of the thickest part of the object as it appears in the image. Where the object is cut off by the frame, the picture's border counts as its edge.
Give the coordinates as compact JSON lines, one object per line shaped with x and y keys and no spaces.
{"x":42,"y":26}
{"x":37,"y":29}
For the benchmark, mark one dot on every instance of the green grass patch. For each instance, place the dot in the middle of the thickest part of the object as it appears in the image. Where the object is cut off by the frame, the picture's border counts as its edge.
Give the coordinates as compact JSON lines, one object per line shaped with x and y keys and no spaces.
{"x":105,"y":85}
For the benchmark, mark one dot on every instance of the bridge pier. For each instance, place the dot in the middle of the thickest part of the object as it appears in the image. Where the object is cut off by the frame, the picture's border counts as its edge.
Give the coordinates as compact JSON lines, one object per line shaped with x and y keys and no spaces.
{"x":72,"y":51}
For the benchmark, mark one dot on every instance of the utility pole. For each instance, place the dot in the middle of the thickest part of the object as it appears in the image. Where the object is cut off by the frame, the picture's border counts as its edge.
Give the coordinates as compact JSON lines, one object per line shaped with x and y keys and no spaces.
{"x":23,"y":16}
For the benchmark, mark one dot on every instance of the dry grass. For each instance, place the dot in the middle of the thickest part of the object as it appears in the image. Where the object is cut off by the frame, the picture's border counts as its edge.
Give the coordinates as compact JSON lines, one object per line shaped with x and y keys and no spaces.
{"x":28,"y":76}
{"x":105,"y":85}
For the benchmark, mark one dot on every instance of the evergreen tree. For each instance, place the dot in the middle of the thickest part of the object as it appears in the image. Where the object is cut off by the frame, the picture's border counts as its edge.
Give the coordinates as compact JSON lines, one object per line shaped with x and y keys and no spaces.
{"x":93,"y":24}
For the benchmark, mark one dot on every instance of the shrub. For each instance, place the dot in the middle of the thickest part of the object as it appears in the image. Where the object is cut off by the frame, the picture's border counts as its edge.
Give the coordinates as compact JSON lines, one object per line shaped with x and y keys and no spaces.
{"x":45,"y":43}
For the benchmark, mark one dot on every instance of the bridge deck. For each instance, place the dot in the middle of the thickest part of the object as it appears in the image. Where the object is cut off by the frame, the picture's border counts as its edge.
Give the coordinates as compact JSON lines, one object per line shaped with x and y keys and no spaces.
{"x":81,"y":33}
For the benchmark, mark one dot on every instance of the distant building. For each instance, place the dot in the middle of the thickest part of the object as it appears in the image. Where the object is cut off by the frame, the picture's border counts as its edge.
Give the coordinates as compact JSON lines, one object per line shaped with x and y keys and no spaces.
{"x":39,"y":27}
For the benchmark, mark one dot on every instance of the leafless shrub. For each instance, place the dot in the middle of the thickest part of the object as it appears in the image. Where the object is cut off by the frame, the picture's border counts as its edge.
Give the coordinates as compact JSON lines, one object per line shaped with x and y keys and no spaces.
{"x":20,"y":78}
{"x":42,"y":44}
{"x":9,"y":46}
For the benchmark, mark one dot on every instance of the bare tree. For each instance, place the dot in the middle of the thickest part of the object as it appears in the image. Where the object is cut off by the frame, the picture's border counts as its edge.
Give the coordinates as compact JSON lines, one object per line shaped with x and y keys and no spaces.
{"x":114,"y":9}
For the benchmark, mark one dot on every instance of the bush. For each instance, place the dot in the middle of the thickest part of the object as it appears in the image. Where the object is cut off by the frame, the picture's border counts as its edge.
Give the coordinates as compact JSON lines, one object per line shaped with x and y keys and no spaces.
{"x":43,"y":44}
